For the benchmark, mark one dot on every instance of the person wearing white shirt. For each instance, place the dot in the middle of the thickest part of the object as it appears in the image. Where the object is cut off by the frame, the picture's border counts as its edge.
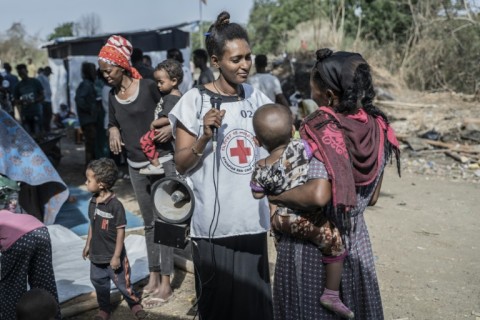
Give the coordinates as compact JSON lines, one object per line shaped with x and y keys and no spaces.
{"x":187,"y":82}
{"x":266,"y":82}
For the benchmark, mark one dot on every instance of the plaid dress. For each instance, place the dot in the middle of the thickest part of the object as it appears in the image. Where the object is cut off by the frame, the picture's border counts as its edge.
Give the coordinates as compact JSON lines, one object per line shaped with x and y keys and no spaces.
{"x":300,"y":277}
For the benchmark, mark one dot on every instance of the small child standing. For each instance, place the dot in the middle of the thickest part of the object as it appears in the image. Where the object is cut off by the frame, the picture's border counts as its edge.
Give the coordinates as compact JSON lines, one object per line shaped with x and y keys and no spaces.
{"x":169,"y":76}
{"x":105,"y":242}
{"x":285,"y":168}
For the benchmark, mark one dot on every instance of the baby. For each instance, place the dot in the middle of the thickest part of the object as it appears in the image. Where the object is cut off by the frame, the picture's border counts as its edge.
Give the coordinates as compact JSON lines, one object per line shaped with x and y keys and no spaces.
{"x":169,"y":75}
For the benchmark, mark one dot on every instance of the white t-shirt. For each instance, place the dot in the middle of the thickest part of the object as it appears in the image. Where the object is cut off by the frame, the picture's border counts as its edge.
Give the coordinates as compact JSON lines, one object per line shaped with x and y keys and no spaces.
{"x":238,"y":213}
{"x":266,"y":83}
{"x":187,"y":82}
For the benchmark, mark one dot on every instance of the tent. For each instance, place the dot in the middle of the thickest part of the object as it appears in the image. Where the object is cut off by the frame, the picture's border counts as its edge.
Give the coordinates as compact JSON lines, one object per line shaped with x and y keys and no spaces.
{"x":66,"y":55}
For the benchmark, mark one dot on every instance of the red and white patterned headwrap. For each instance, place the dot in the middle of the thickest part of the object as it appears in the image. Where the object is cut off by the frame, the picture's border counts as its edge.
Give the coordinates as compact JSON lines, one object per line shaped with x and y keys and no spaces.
{"x":117,"y":52}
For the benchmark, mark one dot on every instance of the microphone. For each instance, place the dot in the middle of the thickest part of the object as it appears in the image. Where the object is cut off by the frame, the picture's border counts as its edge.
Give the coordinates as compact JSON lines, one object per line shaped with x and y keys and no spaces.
{"x":215,"y":101}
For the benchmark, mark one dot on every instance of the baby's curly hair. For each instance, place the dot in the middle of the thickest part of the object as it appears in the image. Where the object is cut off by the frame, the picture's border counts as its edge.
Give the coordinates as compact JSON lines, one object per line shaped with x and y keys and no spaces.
{"x":105,"y":171}
{"x":173,"y":68}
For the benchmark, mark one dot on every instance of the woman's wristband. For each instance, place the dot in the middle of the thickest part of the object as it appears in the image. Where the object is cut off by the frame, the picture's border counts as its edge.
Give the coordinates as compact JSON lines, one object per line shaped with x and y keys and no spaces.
{"x":195,"y":147}
{"x":195,"y":152}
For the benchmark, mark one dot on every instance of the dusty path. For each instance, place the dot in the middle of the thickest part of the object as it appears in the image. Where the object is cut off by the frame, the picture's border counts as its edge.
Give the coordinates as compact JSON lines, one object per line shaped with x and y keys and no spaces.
{"x":426,"y":238}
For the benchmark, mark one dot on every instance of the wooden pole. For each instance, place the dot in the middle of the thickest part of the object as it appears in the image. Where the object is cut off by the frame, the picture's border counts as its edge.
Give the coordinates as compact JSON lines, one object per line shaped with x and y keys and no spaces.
{"x":200,"y":28}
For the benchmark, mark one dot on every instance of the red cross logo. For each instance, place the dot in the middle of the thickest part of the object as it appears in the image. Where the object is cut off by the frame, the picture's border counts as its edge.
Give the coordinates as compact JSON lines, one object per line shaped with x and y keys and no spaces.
{"x":241,"y":152}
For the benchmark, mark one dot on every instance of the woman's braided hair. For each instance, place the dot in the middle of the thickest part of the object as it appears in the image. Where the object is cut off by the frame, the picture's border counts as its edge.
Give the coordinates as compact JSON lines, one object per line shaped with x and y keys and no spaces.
{"x":360,"y":94}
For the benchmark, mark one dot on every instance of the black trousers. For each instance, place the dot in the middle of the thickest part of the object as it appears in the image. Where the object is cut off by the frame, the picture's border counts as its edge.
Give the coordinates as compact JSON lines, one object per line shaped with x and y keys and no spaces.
{"x":232,"y":278}
{"x":101,"y":274}
{"x":47,"y":116}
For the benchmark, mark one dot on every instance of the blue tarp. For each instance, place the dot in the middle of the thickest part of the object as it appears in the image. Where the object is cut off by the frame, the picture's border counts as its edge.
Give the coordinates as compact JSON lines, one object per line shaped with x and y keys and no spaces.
{"x":21,"y":159}
{"x":74,"y":215}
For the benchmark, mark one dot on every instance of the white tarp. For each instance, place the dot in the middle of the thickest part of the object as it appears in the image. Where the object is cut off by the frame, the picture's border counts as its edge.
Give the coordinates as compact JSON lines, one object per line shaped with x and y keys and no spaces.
{"x":72,"y":273}
{"x":58,"y":83}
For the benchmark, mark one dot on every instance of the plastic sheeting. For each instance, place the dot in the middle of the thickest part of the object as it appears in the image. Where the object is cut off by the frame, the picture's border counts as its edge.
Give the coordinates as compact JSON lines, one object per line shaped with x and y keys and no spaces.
{"x":72,"y":273}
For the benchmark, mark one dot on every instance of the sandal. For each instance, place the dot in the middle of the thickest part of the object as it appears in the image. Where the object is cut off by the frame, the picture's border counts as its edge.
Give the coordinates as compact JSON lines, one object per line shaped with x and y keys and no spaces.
{"x":138,"y":311}
{"x":146,"y":293}
{"x":102,"y":315}
{"x":154,"y":302}
{"x":336,"y":305}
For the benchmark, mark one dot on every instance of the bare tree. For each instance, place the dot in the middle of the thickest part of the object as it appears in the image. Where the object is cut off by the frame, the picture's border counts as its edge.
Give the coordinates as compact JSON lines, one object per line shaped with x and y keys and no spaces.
{"x":17,"y":31}
{"x":88,"y":25}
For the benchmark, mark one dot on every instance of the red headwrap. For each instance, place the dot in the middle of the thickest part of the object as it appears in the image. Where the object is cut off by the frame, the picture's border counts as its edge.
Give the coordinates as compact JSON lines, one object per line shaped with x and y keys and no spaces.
{"x":117,"y":51}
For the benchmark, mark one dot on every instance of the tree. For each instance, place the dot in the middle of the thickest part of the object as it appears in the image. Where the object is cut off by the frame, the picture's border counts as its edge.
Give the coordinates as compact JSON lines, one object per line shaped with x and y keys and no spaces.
{"x":63,"y":30}
{"x":88,"y":25}
{"x":442,"y":51}
{"x":197,"y":38}
{"x":17,"y":46}
{"x":382,"y":20}
{"x":17,"y":31}
{"x":271,"y":20}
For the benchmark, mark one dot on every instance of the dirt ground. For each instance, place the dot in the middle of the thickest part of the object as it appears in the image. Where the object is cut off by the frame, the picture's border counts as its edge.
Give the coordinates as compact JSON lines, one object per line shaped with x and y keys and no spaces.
{"x":425,"y":228}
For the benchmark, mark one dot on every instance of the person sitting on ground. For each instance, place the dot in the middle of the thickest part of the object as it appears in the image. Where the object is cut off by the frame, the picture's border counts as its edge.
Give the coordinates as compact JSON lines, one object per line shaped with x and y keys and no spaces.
{"x":26,"y":258}
{"x":285,"y":168}
{"x":65,"y":118}
{"x":200,"y":58}
{"x":267,"y":82}
{"x":169,"y":76}
{"x":105,"y":241}
{"x":36,"y":304}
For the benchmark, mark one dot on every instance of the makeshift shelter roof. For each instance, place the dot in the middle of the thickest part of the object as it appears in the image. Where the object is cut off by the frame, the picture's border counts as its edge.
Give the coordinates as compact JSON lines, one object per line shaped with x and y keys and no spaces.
{"x":66,"y":55}
{"x":158,"y":39}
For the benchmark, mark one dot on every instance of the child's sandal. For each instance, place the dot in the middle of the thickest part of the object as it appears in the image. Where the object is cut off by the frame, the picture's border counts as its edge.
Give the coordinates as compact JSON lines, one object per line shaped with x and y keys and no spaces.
{"x":102,"y":315}
{"x":138,"y":311}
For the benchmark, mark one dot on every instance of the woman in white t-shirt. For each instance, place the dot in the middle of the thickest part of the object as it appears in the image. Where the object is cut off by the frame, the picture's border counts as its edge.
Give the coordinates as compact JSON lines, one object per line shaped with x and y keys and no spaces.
{"x":228,"y":226}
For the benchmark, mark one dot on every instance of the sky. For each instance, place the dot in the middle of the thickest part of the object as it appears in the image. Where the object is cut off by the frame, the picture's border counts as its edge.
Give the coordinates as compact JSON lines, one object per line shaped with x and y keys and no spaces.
{"x":40,"y":17}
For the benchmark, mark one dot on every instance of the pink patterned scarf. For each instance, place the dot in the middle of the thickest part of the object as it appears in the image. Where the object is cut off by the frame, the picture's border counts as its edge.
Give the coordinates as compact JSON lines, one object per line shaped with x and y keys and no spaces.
{"x":351,"y":147}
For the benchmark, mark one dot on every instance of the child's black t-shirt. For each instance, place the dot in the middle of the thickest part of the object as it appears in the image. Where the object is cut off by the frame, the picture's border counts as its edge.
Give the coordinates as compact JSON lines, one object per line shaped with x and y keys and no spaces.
{"x":105,"y":218}
{"x":168,"y":102}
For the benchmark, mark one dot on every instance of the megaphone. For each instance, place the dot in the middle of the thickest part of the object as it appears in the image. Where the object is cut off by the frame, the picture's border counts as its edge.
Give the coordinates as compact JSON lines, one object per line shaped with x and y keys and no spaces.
{"x":173,"y":203}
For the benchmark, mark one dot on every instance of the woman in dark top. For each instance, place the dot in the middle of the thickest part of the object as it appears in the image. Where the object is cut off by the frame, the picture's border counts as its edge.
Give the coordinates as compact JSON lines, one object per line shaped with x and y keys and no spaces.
{"x":132,"y":103}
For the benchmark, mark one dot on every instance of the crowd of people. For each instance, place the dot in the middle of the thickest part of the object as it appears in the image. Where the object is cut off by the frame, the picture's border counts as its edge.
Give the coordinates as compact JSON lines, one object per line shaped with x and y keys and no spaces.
{"x":31,"y":95}
{"x":231,"y":136}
